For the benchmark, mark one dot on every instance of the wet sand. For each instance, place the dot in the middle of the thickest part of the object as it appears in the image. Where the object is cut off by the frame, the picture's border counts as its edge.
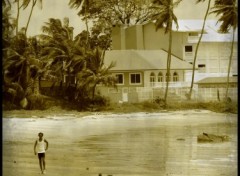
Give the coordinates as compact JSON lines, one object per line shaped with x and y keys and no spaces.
{"x":137,"y":144}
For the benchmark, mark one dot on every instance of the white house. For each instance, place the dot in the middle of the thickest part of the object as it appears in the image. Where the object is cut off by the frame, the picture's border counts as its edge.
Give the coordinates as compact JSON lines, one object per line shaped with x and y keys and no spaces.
{"x":140,"y":53}
{"x":213,"y":52}
{"x":146,"y":68}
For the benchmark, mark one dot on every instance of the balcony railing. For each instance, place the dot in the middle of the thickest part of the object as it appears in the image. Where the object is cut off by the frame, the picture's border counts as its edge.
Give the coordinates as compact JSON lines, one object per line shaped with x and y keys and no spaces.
{"x":170,"y":84}
{"x":193,"y":39}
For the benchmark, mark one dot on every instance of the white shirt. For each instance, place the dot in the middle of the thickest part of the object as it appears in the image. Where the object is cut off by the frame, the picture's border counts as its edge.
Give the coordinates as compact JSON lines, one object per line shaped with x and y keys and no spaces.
{"x":41,"y":146}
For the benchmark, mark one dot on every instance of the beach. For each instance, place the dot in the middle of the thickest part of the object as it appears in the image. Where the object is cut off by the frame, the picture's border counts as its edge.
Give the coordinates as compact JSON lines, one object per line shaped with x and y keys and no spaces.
{"x":134,"y":144}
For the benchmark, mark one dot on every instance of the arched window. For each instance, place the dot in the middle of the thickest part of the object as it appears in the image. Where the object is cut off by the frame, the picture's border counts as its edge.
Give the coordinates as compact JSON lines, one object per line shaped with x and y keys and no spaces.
{"x":160,"y":77}
{"x":152,"y":79}
{"x":168,"y":77}
{"x":175,"y":77}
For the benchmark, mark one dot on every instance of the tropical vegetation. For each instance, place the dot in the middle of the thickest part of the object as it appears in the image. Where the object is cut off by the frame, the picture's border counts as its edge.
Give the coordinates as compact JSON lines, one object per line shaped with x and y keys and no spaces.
{"x":228,"y":12}
{"x":197,"y":46}
{"x":75,"y":64}
{"x":53,"y":55}
{"x":164,"y":19}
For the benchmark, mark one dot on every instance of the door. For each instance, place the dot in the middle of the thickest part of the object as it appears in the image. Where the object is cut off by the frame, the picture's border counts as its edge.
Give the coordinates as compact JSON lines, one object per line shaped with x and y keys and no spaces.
{"x":125,"y":94}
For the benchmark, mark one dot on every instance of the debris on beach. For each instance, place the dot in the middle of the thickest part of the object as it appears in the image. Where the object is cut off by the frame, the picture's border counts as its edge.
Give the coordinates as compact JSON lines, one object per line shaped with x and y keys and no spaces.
{"x":205,"y":137}
{"x":180,"y":139}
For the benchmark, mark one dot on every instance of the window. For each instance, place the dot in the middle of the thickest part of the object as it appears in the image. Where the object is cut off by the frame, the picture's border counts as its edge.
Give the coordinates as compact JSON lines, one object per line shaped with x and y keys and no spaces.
{"x":168,"y":77}
{"x":188,"y":49}
{"x":135,"y":78}
{"x":201,"y":68}
{"x":119,"y":78}
{"x":160,"y":77}
{"x":175,"y":77}
{"x":193,"y":34}
{"x":69,"y":79}
{"x":152,"y":79}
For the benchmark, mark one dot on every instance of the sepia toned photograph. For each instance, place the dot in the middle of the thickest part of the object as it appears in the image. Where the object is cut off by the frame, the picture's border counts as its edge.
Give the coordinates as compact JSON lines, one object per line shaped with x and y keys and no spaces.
{"x":119,"y":87}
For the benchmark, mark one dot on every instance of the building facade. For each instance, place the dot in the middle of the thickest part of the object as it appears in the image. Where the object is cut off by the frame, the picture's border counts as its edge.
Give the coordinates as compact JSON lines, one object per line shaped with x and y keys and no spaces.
{"x":213,"y":52}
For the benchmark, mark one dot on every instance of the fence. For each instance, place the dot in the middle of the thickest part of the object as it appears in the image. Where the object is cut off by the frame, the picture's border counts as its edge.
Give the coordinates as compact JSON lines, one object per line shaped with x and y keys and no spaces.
{"x":211,"y":94}
{"x":140,"y":94}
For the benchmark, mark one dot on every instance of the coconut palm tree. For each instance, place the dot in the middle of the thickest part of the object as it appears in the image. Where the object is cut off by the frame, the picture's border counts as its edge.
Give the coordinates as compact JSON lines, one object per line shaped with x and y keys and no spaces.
{"x":165,"y":19}
{"x":57,"y":45}
{"x":25,"y":4}
{"x":20,"y":66}
{"x":85,"y":6}
{"x":65,"y":54}
{"x":227,"y":10}
{"x":96,"y":73}
{"x":197,"y":46}
{"x":7,"y":25}
{"x":6,"y":3}
{"x":18,"y":14}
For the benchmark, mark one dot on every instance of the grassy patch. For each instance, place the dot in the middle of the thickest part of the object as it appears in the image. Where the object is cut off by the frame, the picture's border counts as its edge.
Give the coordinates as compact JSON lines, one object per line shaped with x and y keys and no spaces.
{"x":53,"y":105}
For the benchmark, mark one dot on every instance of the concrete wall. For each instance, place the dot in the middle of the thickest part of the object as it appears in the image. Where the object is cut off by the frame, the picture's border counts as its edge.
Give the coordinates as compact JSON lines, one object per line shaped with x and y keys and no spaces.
{"x":131,"y":38}
{"x":216,"y":58}
{"x":146,"y":37}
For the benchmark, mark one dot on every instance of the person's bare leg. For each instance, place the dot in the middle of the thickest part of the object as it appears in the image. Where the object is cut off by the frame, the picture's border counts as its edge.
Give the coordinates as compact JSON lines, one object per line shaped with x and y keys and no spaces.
{"x":40,"y":164}
{"x":44,"y":163}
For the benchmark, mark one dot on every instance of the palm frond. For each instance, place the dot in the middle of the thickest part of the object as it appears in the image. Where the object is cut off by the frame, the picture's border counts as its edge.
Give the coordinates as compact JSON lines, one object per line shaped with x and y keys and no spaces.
{"x":25,"y":3}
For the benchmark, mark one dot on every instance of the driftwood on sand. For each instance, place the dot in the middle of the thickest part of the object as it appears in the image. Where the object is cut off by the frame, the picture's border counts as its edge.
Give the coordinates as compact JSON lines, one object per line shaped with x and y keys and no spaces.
{"x":205,"y":137}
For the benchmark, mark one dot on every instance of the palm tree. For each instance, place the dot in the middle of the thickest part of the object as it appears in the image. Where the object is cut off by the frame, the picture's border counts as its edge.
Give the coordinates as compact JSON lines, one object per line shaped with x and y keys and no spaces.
{"x":5,"y":3}
{"x":85,"y":6}
{"x":95,"y":73}
{"x":198,"y":43}
{"x":65,"y":54}
{"x":20,"y":65}
{"x":25,"y":5}
{"x":227,"y":10}
{"x":18,"y":13}
{"x":165,"y":19}
{"x":7,"y":25}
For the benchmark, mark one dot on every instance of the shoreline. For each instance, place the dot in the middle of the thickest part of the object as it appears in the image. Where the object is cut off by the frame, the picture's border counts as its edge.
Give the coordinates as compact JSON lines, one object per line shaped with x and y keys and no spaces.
{"x":84,"y":114}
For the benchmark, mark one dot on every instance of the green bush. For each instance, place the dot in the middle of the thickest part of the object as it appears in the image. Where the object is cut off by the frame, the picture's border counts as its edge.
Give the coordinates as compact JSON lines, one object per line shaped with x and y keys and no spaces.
{"x":147,"y":105}
{"x":36,"y":102}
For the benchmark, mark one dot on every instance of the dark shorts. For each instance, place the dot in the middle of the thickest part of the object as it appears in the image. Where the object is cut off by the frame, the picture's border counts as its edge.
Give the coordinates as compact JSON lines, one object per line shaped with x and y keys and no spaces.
{"x":41,"y":155}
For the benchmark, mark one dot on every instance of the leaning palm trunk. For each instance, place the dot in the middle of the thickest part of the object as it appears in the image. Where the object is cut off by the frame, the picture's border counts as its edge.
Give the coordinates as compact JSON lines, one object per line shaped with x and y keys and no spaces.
{"x":17,"y":19}
{"x":86,"y":23}
{"x":196,"y":51}
{"x":229,"y":64}
{"x":30,"y":15}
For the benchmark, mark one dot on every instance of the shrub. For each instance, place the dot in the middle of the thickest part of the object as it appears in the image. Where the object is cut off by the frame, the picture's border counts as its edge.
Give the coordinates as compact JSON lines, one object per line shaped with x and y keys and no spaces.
{"x":36,"y":102}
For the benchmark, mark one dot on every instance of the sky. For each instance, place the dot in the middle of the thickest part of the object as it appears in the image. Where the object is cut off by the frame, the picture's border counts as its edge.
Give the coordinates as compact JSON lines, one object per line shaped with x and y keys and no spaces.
{"x":187,"y":9}
{"x":50,"y":9}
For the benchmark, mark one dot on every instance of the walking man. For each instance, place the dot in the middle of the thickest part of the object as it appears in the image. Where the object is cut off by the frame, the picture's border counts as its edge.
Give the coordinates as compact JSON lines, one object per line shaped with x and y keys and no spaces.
{"x":40,"y":148}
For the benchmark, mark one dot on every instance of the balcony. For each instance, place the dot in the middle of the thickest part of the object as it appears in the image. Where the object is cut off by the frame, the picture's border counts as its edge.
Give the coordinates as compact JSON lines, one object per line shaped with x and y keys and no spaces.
{"x":170,"y":84}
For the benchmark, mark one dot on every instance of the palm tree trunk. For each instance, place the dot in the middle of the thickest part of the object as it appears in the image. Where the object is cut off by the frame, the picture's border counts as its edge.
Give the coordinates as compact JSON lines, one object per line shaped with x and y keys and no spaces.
{"x":196,"y":51}
{"x":230,"y":63}
{"x":36,"y":87}
{"x":93,"y":92}
{"x":86,"y":22}
{"x":39,"y":84}
{"x":17,"y":19}
{"x":30,"y":15}
{"x":169,"y":53}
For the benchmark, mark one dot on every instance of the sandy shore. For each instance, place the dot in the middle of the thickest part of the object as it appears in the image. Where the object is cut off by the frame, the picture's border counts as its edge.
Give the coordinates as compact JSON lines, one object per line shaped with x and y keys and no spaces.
{"x":120,"y":144}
